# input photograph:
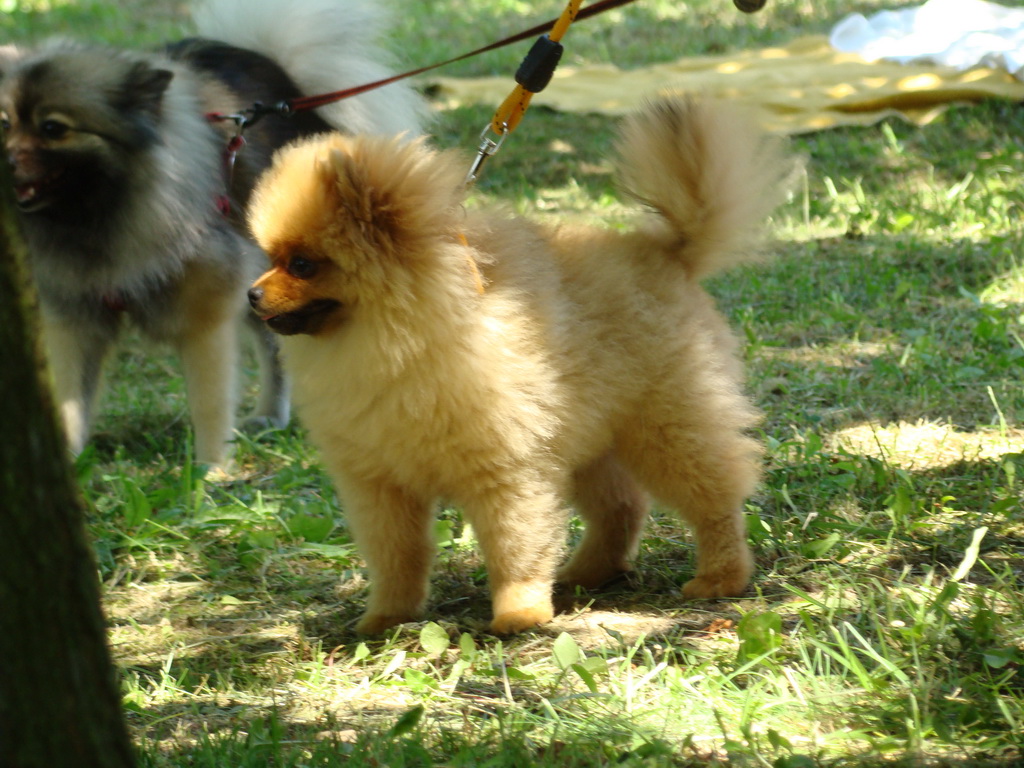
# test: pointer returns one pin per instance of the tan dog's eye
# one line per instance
(302, 268)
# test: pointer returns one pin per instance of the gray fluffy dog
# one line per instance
(122, 184)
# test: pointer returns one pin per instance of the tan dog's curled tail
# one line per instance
(711, 173)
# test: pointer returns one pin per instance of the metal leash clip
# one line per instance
(235, 143)
(229, 154)
(487, 148)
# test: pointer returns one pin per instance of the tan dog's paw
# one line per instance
(716, 585)
(510, 622)
(374, 624)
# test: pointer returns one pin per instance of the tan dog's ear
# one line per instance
(397, 198)
(348, 183)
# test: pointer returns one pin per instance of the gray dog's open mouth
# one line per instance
(35, 193)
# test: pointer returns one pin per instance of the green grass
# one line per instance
(885, 343)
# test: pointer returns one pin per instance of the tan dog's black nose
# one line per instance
(255, 295)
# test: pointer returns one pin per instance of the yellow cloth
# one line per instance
(805, 86)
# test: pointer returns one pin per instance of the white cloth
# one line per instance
(954, 33)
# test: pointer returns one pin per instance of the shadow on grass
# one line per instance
(416, 737)
(980, 141)
(880, 329)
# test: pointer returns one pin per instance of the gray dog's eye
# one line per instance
(52, 129)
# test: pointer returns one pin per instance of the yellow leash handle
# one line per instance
(568, 17)
(534, 73)
(532, 76)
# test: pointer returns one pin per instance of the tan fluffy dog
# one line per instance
(514, 368)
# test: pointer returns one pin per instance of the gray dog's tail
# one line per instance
(324, 46)
(710, 172)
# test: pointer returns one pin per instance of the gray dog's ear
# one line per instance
(8, 56)
(143, 88)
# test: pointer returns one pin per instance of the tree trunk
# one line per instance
(59, 700)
